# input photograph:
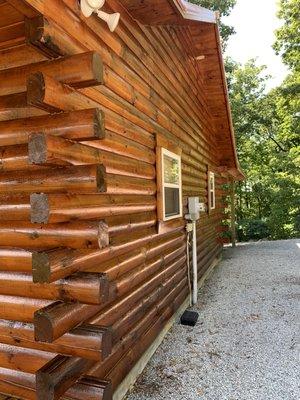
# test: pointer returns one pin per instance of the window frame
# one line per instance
(211, 191)
(164, 151)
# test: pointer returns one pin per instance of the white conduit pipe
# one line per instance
(195, 265)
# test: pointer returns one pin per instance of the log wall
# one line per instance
(88, 274)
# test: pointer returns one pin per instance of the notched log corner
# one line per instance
(99, 123)
(103, 236)
(37, 36)
(41, 271)
(55, 377)
(39, 208)
(101, 178)
(37, 148)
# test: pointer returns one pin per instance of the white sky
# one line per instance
(254, 22)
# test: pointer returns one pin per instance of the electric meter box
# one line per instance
(195, 207)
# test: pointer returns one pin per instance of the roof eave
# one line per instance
(194, 12)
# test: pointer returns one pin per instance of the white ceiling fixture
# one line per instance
(88, 7)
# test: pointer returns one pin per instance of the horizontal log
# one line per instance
(144, 272)
(116, 184)
(12, 101)
(78, 71)
(127, 362)
(48, 38)
(118, 144)
(53, 208)
(76, 125)
(82, 179)
(52, 96)
(58, 375)
(122, 224)
(14, 208)
(13, 259)
(88, 288)
(14, 158)
(58, 318)
(23, 385)
(86, 341)
(110, 314)
(80, 235)
(122, 325)
(46, 149)
(20, 308)
(12, 35)
(19, 359)
(19, 55)
(124, 263)
(52, 265)
(136, 332)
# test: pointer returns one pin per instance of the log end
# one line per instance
(103, 236)
(101, 178)
(35, 88)
(43, 326)
(39, 208)
(106, 342)
(41, 272)
(37, 148)
(96, 388)
(99, 124)
(97, 68)
(103, 333)
(36, 36)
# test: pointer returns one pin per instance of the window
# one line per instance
(170, 166)
(211, 191)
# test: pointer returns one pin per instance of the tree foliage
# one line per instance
(268, 143)
(288, 36)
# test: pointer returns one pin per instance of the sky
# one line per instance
(254, 22)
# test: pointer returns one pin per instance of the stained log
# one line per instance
(48, 38)
(87, 341)
(52, 265)
(87, 288)
(23, 385)
(52, 208)
(55, 377)
(47, 149)
(82, 179)
(86, 124)
(56, 319)
(80, 70)
(76, 235)
(48, 94)
(19, 308)
(20, 359)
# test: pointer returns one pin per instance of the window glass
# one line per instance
(171, 201)
(171, 170)
(170, 164)
(211, 188)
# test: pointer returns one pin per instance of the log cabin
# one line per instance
(111, 125)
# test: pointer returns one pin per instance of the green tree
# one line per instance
(288, 36)
(268, 144)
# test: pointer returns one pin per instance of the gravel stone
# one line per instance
(245, 345)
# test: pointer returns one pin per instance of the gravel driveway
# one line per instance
(245, 344)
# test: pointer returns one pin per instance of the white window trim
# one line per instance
(212, 192)
(171, 185)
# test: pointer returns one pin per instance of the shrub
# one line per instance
(252, 230)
